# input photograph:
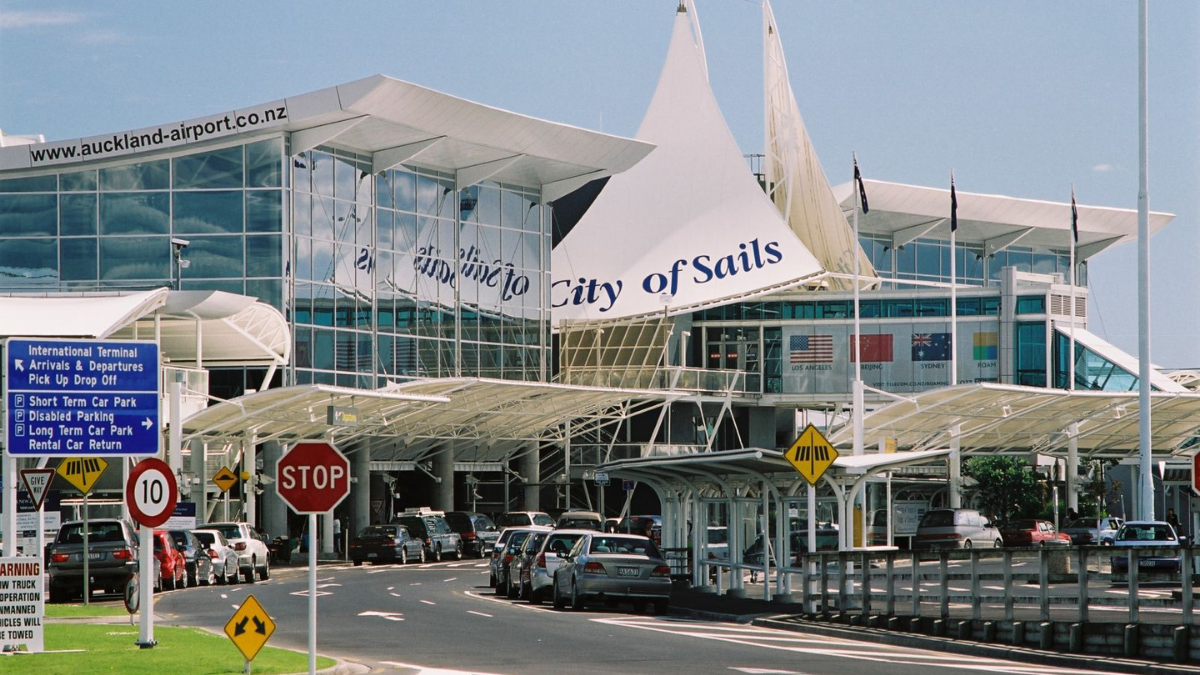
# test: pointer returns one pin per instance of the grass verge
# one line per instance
(79, 611)
(180, 651)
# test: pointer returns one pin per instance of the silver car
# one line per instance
(612, 567)
(539, 579)
(497, 561)
(224, 557)
(956, 528)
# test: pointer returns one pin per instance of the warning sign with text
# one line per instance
(22, 606)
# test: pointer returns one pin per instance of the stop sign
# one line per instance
(313, 477)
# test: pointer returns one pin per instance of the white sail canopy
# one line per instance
(685, 228)
(795, 179)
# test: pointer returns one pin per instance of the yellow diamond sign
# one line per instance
(82, 472)
(250, 628)
(224, 479)
(811, 454)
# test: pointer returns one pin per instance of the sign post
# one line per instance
(83, 472)
(313, 477)
(150, 495)
(37, 486)
(249, 628)
(811, 455)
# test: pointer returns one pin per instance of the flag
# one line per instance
(810, 349)
(876, 348)
(985, 346)
(862, 191)
(931, 347)
(953, 206)
(1074, 217)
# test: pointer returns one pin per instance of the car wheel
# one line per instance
(422, 556)
(661, 606)
(998, 543)
(437, 553)
(265, 572)
(458, 551)
(535, 597)
(968, 544)
(510, 592)
(576, 598)
(358, 563)
(524, 591)
(231, 577)
(193, 575)
(248, 573)
(403, 556)
(501, 586)
(211, 578)
(559, 601)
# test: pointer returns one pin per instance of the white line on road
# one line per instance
(390, 616)
(429, 602)
(421, 670)
(224, 596)
(450, 579)
(471, 611)
(326, 579)
(415, 584)
(394, 595)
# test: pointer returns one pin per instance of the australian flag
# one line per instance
(931, 347)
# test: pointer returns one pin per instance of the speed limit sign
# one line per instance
(150, 492)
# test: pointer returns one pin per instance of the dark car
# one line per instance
(650, 526)
(519, 580)
(508, 562)
(197, 563)
(112, 558)
(386, 543)
(477, 531)
(433, 530)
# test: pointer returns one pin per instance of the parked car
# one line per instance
(956, 528)
(502, 543)
(718, 542)
(253, 556)
(525, 519)
(1023, 533)
(1098, 530)
(225, 558)
(1147, 534)
(519, 569)
(477, 531)
(171, 562)
(505, 562)
(198, 564)
(432, 529)
(580, 520)
(827, 540)
(112, 558)
(539, 578)
(386, 543)
(637, 525)
(610, 568)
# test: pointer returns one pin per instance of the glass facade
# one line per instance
(1092, 371)
(396, 274)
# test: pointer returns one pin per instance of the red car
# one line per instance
(171, 562)
(1024, 533)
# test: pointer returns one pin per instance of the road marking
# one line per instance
(429, 602)
(390, 587)
(304, 593)
(394, 595)
(380, 570)
(224, 596)
(390, 616)
(471, 611)
(327, 585)
(450, 579)
(421, 670)
(415, 584)
(509, 603)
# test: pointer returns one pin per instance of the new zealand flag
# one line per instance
(931, 347)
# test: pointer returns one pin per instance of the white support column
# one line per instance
(529, 466)
(1073, 468)
(249, 457)
(955, 467)
(361, 490)
(10, 504)
(200, 487)
(327, 534)
(443, 468)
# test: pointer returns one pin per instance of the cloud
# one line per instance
(14, 20)
(1103, 168)
(101, 37)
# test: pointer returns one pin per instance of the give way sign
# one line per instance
(313, 477)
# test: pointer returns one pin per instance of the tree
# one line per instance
(1005, 487)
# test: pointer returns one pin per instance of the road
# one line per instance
(443, 618)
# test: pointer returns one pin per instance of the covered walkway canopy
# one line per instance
(1010, 419)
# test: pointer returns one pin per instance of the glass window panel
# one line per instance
(344, 221)
(427, 195)
(135, 213)
(22, 215)
(322, 259)
(303, 303)
(929, 259)
(906, 260)
(513, 206)
(28, 261)
(405, 185)
(1035, 304)
(322, 218)
(996, 262)
(323, 354)
(144, 176)
(933, 306)
(264, 256)
(264, 211)
(214, 169)
(30, 184)
(269, 291)
(77, 181)
(143, 258)
(303, 258)
(208, 212)
(77, 214)
(214, 257)
(322, 174)
(385, 193)
(383, 229)
(322, 305)
(344, 179)
(302, 169)
(304, 348)
(406, 232)
(79, 259)
(1022, 259)
(1045, 263)
(364, 223)
(302, 215)
(448, 199)
(264, 163)
(488, 208)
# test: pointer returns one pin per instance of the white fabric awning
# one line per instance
(78, 316)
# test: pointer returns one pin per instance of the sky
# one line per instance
(1018, 97)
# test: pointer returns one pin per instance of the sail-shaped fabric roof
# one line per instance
(796, 182)
(685, 228)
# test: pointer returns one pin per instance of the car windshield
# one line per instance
(625, 545)
(579, 523)
(179, 537)
(459, 522)
(938, 519)
(562, 543)
(206, 538)
(229, 531)
(377, 531)
(543, 519)
(97, 532)
(1146, 533)
(718, 535)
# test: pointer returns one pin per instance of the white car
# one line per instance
(541, 574)
(225, 560)
(252, 551)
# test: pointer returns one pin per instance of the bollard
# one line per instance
(1182, 646)
(939, 627)
(1046, 635)
(964, 630)
(1076, 638)
(989, 631)
(1018, 635)
(914, 624)
(1131, 639)
(893, 623)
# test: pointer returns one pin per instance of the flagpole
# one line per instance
(1074, 236)
(857, 388)
(953, 287)
(1145, 509)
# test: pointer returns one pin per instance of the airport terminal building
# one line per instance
(410, 247)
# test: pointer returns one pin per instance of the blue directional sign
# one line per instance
(81, 397)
